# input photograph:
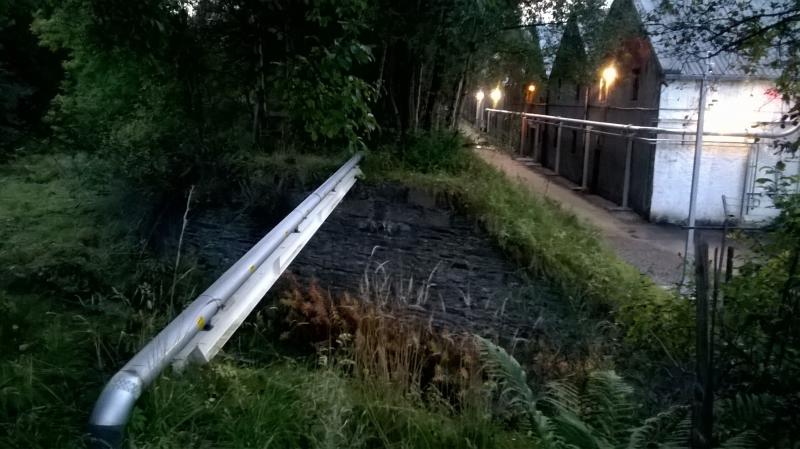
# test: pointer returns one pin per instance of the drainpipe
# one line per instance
(115, 404)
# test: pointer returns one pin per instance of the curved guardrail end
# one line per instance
(105, 437)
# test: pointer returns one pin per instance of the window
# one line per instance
(635, 85)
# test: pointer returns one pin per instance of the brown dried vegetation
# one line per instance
(381, 342)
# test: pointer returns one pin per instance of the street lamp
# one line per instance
(478, 106)
(529, 95)
(607, 78)
(495, 95)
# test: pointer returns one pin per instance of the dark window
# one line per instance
(574, 141)
(635, 85)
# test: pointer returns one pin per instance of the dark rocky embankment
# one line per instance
(406, 246)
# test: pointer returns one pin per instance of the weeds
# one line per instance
(79, 298)
(552, 244)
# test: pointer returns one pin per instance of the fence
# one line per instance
(524, 134)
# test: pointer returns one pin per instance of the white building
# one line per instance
(730, 166)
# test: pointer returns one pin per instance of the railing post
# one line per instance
(587, 137)
(558, 149)
(626, 183)
(523, 135)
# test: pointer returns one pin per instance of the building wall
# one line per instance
(729, 166)
(632, 99)
(567, 98)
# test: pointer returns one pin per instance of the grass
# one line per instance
(549, 241)
(79, 296)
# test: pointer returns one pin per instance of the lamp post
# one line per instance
(529, 97)
(698, 156)
(478, 116)
(529, 94)
(607, 78)
(495, 95)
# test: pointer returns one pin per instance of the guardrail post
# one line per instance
(626, 184)
(558, 148)
(587, 137)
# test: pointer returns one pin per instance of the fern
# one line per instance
(667, 430)
(744, 440)
(573, 413)
(607, 405)
(509, 375)
(600, 415)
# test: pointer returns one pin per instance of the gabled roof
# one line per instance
(684, 64)
(549, 41)
(570, 58)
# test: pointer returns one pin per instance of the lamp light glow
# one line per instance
(531, 88)
(495, 95)
(479, 95)
(609, 75)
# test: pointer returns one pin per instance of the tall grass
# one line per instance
(550, 243)
(79, 297)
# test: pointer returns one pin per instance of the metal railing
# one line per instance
(648, 129)
(503, 129)
(205, 325)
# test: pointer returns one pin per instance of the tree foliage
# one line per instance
(765, 32)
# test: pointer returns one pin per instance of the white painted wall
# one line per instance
(728, 166)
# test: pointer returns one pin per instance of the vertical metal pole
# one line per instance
(558, 148)
(478, 113)
(745, 180)
(587, 137)
(626, 182)
(523, 135)
(537, 139)
(698, 154)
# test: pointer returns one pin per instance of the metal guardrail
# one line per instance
(205, 325)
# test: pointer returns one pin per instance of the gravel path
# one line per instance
(656, 250)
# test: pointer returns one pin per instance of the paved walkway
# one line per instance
(656, 250)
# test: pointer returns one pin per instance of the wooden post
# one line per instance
(702, 407)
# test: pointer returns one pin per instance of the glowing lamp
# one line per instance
(479, 95)
(609, 75)
(495, 95)
(530, 93)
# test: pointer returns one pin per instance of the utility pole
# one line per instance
(698, 155)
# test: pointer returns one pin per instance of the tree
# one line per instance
(765, 32)
(29, 74)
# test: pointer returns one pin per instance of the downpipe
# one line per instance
(106, 428)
